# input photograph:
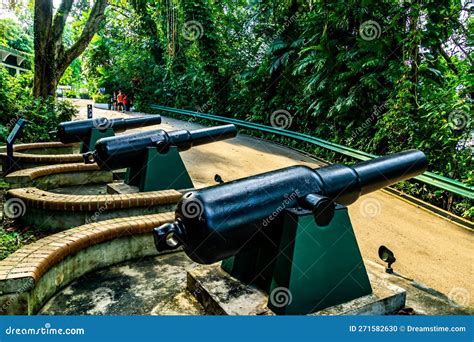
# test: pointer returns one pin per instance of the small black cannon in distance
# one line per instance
(153, 156)
(264, 225)
(89, 131)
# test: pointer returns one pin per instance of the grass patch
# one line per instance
(12, 239)
(13, 236)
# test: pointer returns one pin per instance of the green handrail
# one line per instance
(431, 178)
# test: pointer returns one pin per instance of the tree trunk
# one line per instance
(42, 86)
(51, 57)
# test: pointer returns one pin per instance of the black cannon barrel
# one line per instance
(185, 139)
(130, 149)
(75, 131)
(217, 222)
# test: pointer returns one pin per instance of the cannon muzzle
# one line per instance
(384, 171)
(80, 130)
(130, 149)
(185, 139)
(217, 222)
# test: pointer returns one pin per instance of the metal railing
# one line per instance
(430, 178)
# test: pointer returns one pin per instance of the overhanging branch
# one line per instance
(448, 60)
(60, 18)
(92, 25)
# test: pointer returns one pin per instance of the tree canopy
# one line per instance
(380, 76)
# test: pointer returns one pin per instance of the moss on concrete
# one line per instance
(18, 299)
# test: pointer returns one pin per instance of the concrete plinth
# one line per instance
(121, 188)
(221, 294)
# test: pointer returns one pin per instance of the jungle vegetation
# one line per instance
(379, 76)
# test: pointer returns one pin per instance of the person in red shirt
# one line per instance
(120, 101)
(125, 102)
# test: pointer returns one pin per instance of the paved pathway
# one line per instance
(428, 248)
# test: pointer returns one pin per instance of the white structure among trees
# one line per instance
(13, 60)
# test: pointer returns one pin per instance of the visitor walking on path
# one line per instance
(111, 103)
(125, 102)
(114, 101)
(120, 101)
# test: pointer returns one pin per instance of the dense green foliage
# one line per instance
(42, 115)
(14, 36)
(15, 92)
(379, 76)
(12, 238)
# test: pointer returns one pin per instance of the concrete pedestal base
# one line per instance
(221, 294)
(119, 174)
(121, 188)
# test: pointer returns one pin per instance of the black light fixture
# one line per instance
(387, 256)
(218, 179)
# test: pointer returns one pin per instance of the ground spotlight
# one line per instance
(387, 256)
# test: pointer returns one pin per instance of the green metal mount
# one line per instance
(305, 268)
(95, 134)
(159, 172)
